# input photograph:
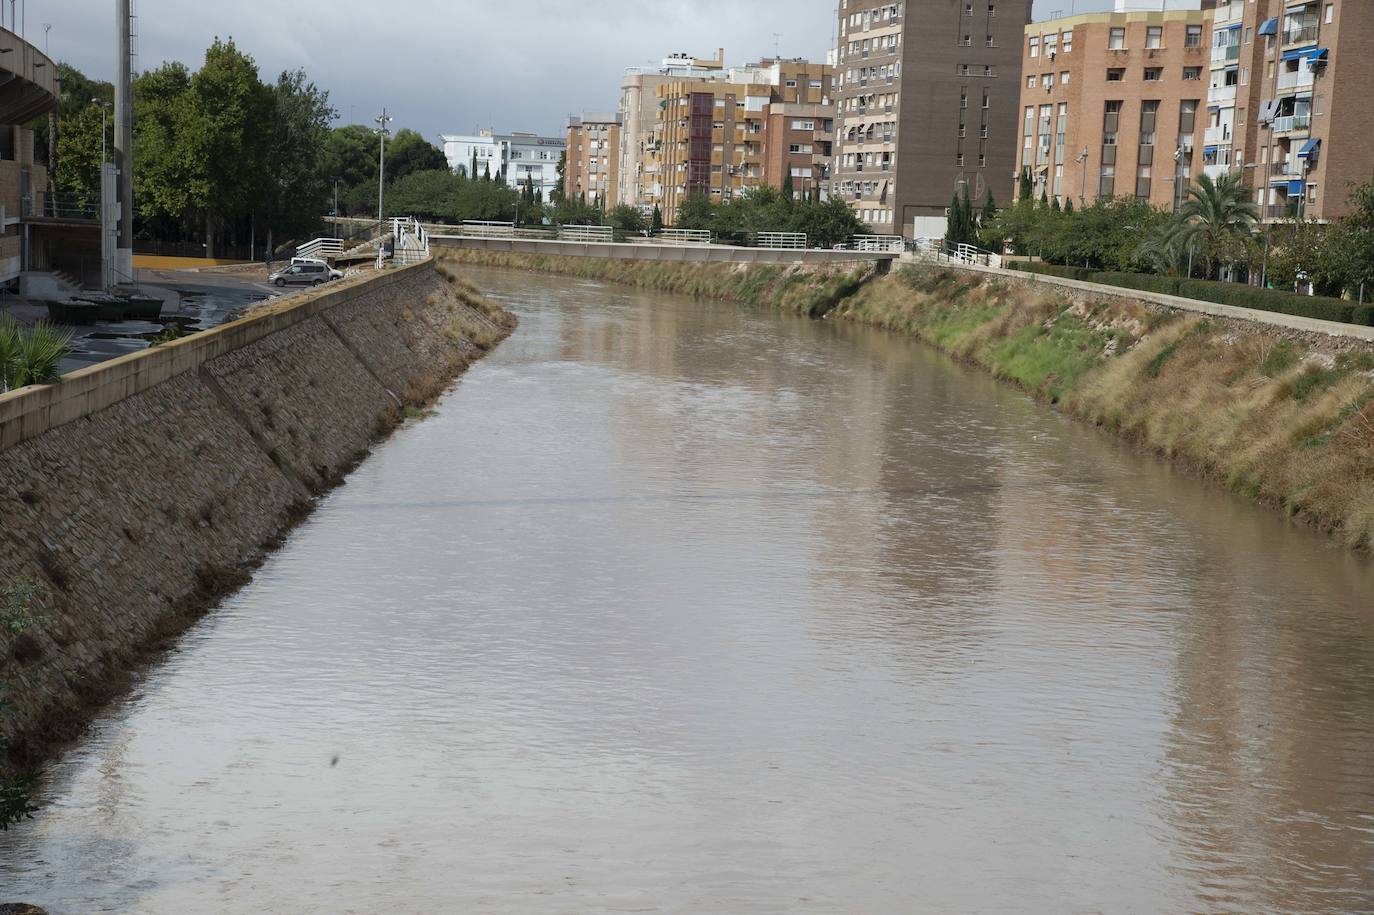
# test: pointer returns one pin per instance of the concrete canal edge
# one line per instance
(136, 493)
(1280, 410)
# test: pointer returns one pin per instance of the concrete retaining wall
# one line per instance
(135, 492)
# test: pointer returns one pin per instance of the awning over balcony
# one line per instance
(1268, 111)
(1319, 57)
(1299, 53)
(1209, 150)
(1270, 27)
(1294, 188)
(1309, 148)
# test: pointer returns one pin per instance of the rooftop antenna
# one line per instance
(777, 45)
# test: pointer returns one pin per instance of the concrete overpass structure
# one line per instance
(28, 90)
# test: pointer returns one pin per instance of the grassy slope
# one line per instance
(1273, 419)
(805, 291)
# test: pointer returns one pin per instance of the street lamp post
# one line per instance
(336, 207)
(104, 112)
(1083, 178)
(381, 165)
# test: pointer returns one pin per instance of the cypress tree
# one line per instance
(1044, 197)
(1068, 206)
(787, 190)
(657, 223)
(1026, 188)
(486, 176)
(473, 174)
(989, 210)
(966, 219)
(954, 231)
(1054, 205)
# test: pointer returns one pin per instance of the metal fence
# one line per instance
(793, 240)
(586, 233)
(879, 244)
(685, 237)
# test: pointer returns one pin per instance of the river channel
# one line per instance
(676, 606)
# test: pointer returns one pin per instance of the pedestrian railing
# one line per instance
(483, 228)
(937, 250)
(792, 240)
(321, 248)
(586, 233)
(412, 241)
(879, 244)
(685, 237)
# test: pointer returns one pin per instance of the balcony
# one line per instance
(1293, 123)
(1216, 171)
(1221, 94)
(1303, 78)
(1285, 169)
(1217, 136)
(1303, 35)
(1282, 210)
(1226, 52)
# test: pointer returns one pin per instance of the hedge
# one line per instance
(1067, 273)
(1276, 300)
(1237, 294)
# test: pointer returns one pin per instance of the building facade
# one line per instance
(639, 115)
(709, 137)
(799, 142)
(1114, 104)
(927, 93)
(518, 156)
(1289, 102)
(592, 171)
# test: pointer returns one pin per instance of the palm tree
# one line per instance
(1217, 219)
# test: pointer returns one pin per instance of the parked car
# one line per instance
(304, 273)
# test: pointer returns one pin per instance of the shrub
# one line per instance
(1061, 271)
(1145, 282)
(1273, 300)
(1363, 314)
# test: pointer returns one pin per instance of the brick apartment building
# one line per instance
(592, 169)
(798, 140)
(927, 93)
(1289, 102)
(710, 135)
(1114, 104)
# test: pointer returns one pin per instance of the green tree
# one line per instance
(656, 225)
(696, 212)
(296, 189)
(350, 154)
(1025, 187)
(171, 183)
(787, 190)
(1218, 220)
(233, 116)
(409, 152)
(626, 220)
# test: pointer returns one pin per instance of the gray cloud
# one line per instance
(452, 65)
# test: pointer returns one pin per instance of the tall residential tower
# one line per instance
(928, 95)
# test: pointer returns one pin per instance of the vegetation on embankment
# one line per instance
(810, 290)
(1281, 417)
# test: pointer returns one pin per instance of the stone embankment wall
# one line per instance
(135, 493)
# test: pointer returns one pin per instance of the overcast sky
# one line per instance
(449, 66)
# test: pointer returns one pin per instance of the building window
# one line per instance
(1192, 73)
(1035, 47)
(1116, 39)
(1116, 74)
(1152, 74)
(1064, 78)
(1066, 42)
(1154, 36)
(1194, 37)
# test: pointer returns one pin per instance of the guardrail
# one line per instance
(412, 241)
(883, 244)
(484, 228)
(586, 233)
(685, 237)
(321, 248)
(789, 240)
(937, 251)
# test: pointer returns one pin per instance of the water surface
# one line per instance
(673, 606)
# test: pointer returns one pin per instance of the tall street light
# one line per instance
(337, 227)
(382, 134)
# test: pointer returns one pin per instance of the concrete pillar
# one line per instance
(124, 141)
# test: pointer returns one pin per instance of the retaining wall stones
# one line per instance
(135, 493)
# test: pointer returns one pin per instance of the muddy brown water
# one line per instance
(674, 606)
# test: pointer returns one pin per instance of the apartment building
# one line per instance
(1289, 102)
(798, 141)
(927, 93)
(1113, 104)
(639, 114)
(593, 164)
(519, 156)
(709, 137)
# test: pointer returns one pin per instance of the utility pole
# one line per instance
(381, 166)
(124, 141)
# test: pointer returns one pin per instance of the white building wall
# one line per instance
(521, 155)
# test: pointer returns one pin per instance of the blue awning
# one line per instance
(1310, 147)
(1295, 189)
(1270, 27)
(1318, 57)
(1233, 28)
(1299, 53)
(1209, 150)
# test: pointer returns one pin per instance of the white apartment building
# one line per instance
(521, 155)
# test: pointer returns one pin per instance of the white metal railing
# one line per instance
(412, 241)
(1292, 122)
(791, 240)
(685, 237)
(1221, 94)
(937, 251)
(586, 233)
(1216, 135)
(488, 229)
(321, 248)
(881, 244)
